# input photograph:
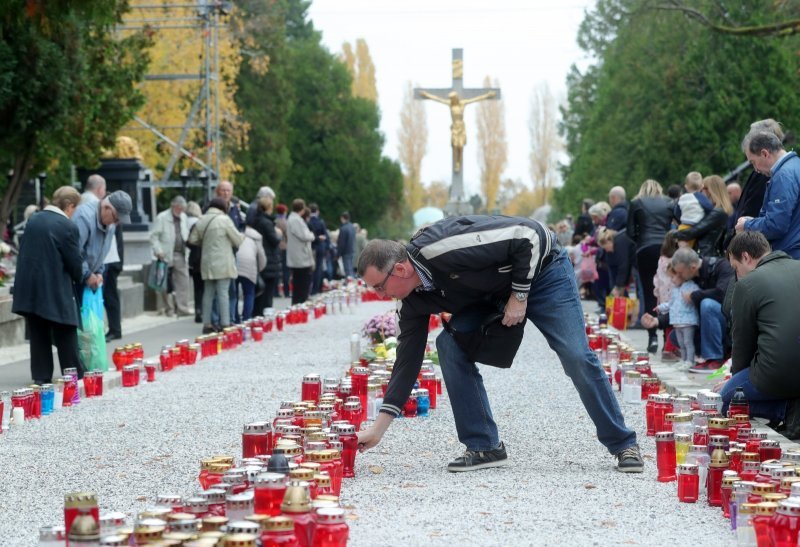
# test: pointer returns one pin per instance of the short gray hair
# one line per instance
(617, 192)
(686, 257)
(178, 200)
(756, 141)
(94, 182)
(381, 254)
(265, 192)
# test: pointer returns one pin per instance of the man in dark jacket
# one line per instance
(346, 244)
(617, 219)
(460, 262)
(49, 267)
(713, 275)
(765, 331)
(319, 246)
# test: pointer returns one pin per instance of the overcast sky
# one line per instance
(519, 42)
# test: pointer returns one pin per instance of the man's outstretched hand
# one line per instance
(515, 311)
(370, 437)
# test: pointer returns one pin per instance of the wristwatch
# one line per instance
(520, 296)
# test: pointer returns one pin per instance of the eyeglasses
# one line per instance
(381, 287)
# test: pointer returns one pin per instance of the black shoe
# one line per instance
(198, 318)
(112, 336)
(792, 420)
(629, 460)
(471, 461)
(208, 329)
(652, 344)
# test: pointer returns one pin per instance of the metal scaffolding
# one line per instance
(207, 21)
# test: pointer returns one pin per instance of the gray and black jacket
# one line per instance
(469, 260)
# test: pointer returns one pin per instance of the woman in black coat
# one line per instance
(48, 269)
(649, 220)
(264, 223)
(710, 231)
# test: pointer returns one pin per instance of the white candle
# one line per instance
(18, 416)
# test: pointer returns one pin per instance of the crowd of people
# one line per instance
(240, 256)
(684, 253)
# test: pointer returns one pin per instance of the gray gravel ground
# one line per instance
(560, 487)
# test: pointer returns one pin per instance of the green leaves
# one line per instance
(667, 96)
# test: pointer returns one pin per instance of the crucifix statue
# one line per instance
(457, 98)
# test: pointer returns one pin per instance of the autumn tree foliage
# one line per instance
(546, 143)
(492, 145)
(361, 68)
(412, 139)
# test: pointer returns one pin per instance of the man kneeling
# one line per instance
(765, 332)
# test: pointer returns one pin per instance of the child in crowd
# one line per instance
(692, 206)
(683, 316)
(662, 288)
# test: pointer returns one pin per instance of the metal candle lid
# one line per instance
(170, 500)
(719, 458)
(257, 428)
(789, 507)
(279, 524)
(270, 480)
(213, 496)
(285, 413)
(78, 500)
(766, 508)
(52, 533)
(330, 515)
(301, 474)
(239, 501)
(688, 469)
(665, 436)
(214, 523)
(312, 379)
(116, 540)
(297, 498)
(196, 504)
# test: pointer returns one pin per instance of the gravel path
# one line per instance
(559, 489)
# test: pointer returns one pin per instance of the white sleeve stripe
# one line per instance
(487, 237)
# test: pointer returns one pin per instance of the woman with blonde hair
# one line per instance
(709, 232)
(649, 220)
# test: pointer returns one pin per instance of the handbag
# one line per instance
(196, 251)
(483, 338)
(157, 276)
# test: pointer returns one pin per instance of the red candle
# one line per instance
(118, 358)
(762, 522)
(725, 490)
(665, 456)
(81, 505)
(649, 414)
(718, 465)
(688, 483)
(150, 369)
(769, 450)
(279, 532)
(256, 439)
(352, 413)
(331, 529)
(429, 383)
(215, 499)
(129, 373)
(279, 320)
(257, 333)
(785, 524)
(349, 440)
(311, 387)
(297, 506)
(410, 408)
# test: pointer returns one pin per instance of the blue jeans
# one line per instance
(761, 406)
(249, 298)
(233, 306)
(319, 272)
(712, 329)
(554, 307)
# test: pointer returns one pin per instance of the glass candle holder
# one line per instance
(682, 444)
(688, 483)
(665, 456)
(410, 407)
(718, 465)
(297, 506)
(349, 440)
(256, 439)
(279, 530)
(129, 373)
(745, 534)
(726, 488)
(785, 523)
(311, 387)
(48, 401)
(769, 450)
(423, 402)
(331, 529)
(429, 382)
(238, 506)
(83, 506)
(150, 371)
(762, 522)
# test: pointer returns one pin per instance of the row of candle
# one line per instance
(756, 484)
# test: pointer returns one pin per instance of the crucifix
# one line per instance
(457, 98)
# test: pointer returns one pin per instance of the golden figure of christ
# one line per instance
(458, 131)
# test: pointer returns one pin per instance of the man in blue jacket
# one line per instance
(457, 263)
(779, 219)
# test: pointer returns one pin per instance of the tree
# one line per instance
(327, 139)
(719, 20)
(361, 69)
(67, 84)
(492, 146)
(662, 98)
(546, 143)
(412, 137)
(437, 194)
(169, 103)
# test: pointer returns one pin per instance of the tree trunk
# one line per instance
(22, 166)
